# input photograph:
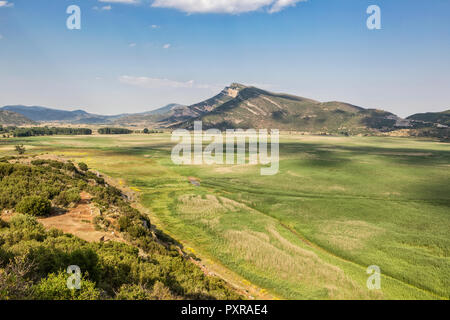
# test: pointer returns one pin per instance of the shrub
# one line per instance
(69, 167)
(34, 206)
(54, 287)
(25, 228)
(14, 281)
(67, 197)
(133, 292)
(83, 166)
(20, 149)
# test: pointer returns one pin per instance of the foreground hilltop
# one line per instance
(41, 199)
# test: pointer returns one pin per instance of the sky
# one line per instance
(138, 55)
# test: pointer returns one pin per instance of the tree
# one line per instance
(145, 130)
(20, 149)
(34, 206)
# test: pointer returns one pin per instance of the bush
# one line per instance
(20, 149)
(67, 197)
(34, 206)
(54, 287)
(83, 166)
(69, 167)
(133, 292)
(25, 228)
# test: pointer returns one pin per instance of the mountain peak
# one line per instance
(233, 89)
(236, 85)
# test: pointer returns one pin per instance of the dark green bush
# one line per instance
(54, 287)
(34, 206)
(83, 166)
(67, 197)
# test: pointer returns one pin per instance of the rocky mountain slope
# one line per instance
(240, 106)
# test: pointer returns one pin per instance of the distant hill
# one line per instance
(434, 118)
(43, 114)
(240, 106)
(14, 119)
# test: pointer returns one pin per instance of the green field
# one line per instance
(337, 206)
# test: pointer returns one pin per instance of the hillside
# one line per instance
(202, 108)
(54, 214)
(240, 106)
(442, 118)
(151, 117)
(250, 107)
(13, 119)
(43, 114)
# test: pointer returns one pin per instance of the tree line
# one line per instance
(114, 131)
(43, 131)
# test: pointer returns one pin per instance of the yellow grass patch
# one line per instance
(348, 235)
(295, 265)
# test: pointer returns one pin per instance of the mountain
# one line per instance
(239, 106)
(151, 117)
(164, 110)
(196, 110)
(432, 118)
(43, 114)
(14, 119)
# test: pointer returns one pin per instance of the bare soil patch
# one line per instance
(79, 222)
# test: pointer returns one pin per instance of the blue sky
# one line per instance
(137, 55)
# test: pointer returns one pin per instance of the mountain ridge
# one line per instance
(241, 106)
(251, 107)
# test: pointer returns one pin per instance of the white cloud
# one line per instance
(225, 6)
(132, 44)
(6, 4)
(121, 1)
(281, 4)
(155, 26)
(166, 46)
(104, 8)
(157, 83)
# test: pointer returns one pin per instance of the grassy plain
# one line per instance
(337, 206)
